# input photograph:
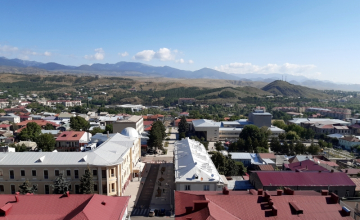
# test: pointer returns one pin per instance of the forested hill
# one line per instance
(280, 87)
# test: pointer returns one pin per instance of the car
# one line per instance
(162, 212)
(152, 213)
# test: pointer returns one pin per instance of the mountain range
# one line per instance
(144, 70)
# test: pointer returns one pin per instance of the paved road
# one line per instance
(148, 189)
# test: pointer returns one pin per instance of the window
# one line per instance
(22, 172)
(94, 172)
(46, 174)
(103, 173)
(112, 172)
(77, 189)
(70, 188)
(68, 173)
(12, 188)
(1, 173)
(76, 172)
(33, 172)
(1, 188)
(95, 188)
(12, 174)
(57, 172)
(206, 187)
(47, 189)
(187, 187)
(113, 187)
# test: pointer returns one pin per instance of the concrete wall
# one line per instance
(198, 186)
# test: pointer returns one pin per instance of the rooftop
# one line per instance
(53, 206)
(192, 163)
(212, 205)
(306, 165)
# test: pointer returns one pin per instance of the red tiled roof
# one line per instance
(76, 206)
(266, 167)
(184, 113)
(39, 122)
(4, 125)
(148, 122)
(357, 183)
(148, 128)
(247, 206)
(329, 163)
(290, 178)
(351, 171)
(70, 136)
(267, 156)
(308, 165)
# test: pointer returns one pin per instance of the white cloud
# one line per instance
(125, 54)
(8, 49)
(163, 54)
(190, 61)
(25, 54)
(47, 53)
(288, 68)
(180, 61)
(99, 55)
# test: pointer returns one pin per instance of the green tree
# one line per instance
(108, 128)
(219, 146)
(155, 138)
(27, 187)
(97, 130)
(313, 149)
(49, 126)
(31, 132)
(292, 135)
(61, 184)
(46, 142)
(19, 148)
(79, 123)
(183, 125)
(280, 124)
(275, 145)
(300, 148)
(87, 182)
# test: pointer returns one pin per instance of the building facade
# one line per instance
(136, 122)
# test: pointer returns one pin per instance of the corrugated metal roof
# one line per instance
(290, 178)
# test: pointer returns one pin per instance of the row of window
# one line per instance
(56, 173)
(206, 187)
(47, 189)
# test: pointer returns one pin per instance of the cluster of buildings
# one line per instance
(340, 113)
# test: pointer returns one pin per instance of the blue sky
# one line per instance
(317, 39)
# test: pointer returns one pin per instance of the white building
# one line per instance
(10, 118)
(299, 121)
(134, 108)
(194, 169)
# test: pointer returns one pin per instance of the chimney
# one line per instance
(188, 209)
(200, 204)
(279, 192)
(274, 211)
(260, 192)
(288, 191)
(103, 203)
(334, 198)
(324, 192)
(332, 170)
(67, 194)
(346, 171)
(225, 191)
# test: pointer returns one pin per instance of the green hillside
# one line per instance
(279, 87)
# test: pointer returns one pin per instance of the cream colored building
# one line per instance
(112, 164)
(135, 121)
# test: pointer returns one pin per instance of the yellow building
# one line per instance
(112, 164)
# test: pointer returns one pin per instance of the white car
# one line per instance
(152, 213)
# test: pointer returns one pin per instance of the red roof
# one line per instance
(184, 113)
(39, 122)
(76, 206)
(148, 123)
(267, 156)
(351, 171)
(266, 167)
(306, 165)
(243, 205)
(4, 125)
(148, 128)
(70, 136)
(290, 178)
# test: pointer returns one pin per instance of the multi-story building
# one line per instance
(134, 108)
(194, 169)
(112, 164)
(136, 122)
(72, 140)
(66, 103)
(215, 131)
(4, 103)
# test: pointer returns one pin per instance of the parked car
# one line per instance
(152, 213)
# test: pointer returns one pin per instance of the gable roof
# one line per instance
(76, 206)
(307, 165)
(267, 156)
(291, 178)
(70, 136)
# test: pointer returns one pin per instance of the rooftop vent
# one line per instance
(41, 159)
(83, 159)
(296, 208)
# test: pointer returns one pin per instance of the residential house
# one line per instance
(349, 141)
(4, 103)
(65, 115)
(72, 140)
(10, 118)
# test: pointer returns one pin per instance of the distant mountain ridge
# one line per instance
(143, 70)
